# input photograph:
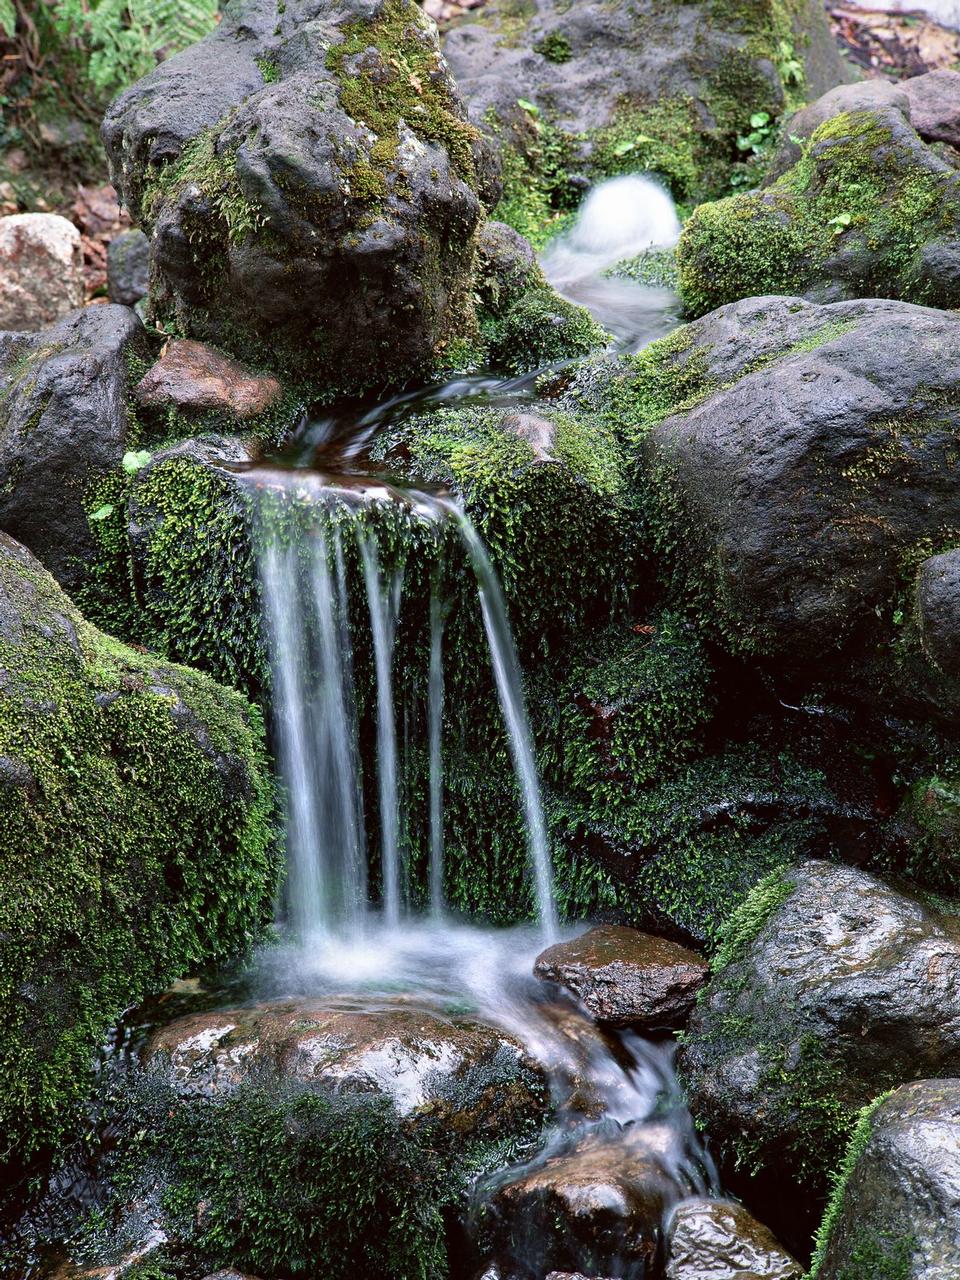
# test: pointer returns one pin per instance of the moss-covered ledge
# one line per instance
(137, 809)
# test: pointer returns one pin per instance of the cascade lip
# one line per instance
(355, 489)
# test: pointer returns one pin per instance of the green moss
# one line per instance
(863, 189)
(654, 267)
(137, 843)
(191, 592)
(541, 328)
(408, 87)
(743, 925)
(555, 47)
(210, 165)
(857, 1144)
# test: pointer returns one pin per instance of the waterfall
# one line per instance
(435, 747)
(383, 601)
(312, 638)
(506, 670)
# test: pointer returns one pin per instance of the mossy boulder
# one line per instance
(868, 210)
(797, 465)
(576, 92)
(137, 811)
(829, 987)
(286, 1136)
(312, 188)
(894, 1211)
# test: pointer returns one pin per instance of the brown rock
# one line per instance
(190, 375)
(469, 1076)
(625, 977)
(720, 1240)
(41, 270)
(599, 1203)
(935, 105)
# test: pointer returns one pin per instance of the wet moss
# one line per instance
(137, 811)
(541, 328)
(856, 210)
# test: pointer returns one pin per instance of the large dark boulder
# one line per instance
(868, 209)
(830, 987)
(136, 807)
(809, 460)
(312, 188)
(896, 1209)
(64, 423)
(580, 90)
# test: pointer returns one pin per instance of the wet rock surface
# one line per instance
(938, 605)
(625, 977)
(41, 270)
(471, 1077)
(898, 1210)
(838, 988)
(311, 185)
(580, 62)
(192, 376)
(818, 449)
(64, 422)
(721, 1240)
(597, 1206)
(128, 267)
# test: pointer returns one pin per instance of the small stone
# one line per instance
(128, 267)
(935, 105)
(190, 375)
(625, 977)
(720, 1240)
(599, 1198)
(41, 270)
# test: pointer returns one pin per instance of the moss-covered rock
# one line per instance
(830, 987)
(577, 92)
(137, 814)
(868, 210)
(312, 188)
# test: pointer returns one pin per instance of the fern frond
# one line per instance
(8, 17)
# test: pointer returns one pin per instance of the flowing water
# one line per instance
(614, 1093)
(335, 595)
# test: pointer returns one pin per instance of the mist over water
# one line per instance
(619, 220)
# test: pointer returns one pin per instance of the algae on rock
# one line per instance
(137, 811)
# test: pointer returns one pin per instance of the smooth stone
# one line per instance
(935, 105)
(625, 977)
(938, 602)
(469, 1076)
(193, 376)
(599, 1201)
(721, 1240)
(899, 1210)
(41, 270)
(128, 267)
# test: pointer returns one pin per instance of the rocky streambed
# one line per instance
(412, 549)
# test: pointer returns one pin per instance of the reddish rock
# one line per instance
(190, 375)
(935, 105)
(599, 1204)
(41, 270)
(720, 1240)
(626, 978)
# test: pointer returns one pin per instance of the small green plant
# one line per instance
(761, 133)
(124, 39)
(555, 47)
(8, 17)
(131, 463)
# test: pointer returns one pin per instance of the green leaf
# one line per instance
(102, 513)
(624, 148)
(132, 462)
(8, 17)
(759, 119)
(528, 106)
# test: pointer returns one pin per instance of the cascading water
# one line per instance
(311, 651)
(615, 1094)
